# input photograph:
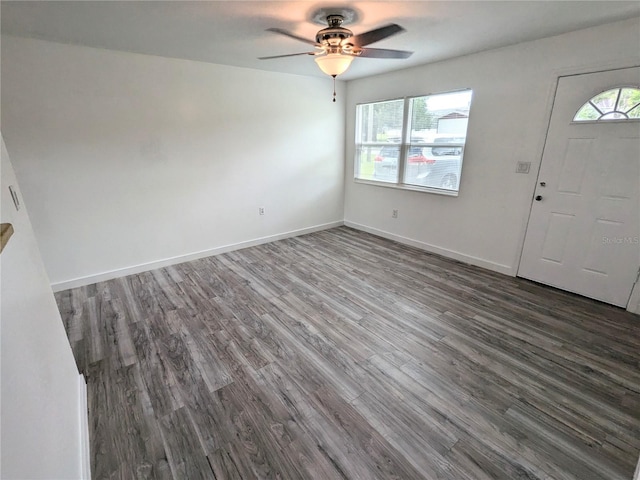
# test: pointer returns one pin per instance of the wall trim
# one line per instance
(445, 252)
(83, 412)
(144, 267)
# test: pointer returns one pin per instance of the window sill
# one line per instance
(404, 186)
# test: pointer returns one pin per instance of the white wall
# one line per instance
(512, 94)
(40, 411)
(127, 159)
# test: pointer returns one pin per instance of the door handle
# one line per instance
(538, 198)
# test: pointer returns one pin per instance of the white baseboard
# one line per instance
(144, 267)
(480, 262)
(83, 412)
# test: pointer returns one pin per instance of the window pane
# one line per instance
(385, 164)
(380, 122)
(422, 120)
(365, 156)
(444, 113)
(614, 116)
(614, 104)
(606, 101)
(629, 97)
(586, 113)
(438, 135)
(635, 113)
(444, 173)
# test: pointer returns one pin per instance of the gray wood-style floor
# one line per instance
(341, 355)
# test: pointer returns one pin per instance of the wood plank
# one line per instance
(341, 355)
(186, 457)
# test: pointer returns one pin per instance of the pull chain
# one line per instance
(334, 87)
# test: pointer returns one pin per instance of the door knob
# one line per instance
(538, 198)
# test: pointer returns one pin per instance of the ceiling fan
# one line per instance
(336, 46)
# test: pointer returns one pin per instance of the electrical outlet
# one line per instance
(394, 213)
(260, 210)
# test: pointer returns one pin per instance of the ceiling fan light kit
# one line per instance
(334, 63)
(336, 46)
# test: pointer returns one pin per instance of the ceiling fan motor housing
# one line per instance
(334, 34)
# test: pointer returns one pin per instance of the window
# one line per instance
(622, 103)
(415, 143)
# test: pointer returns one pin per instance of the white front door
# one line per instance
(584, 228)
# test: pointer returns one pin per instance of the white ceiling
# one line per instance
(233, 32)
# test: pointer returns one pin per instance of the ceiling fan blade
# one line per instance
(384, 53)
(373, 36)
(293, 35)
(288, 55)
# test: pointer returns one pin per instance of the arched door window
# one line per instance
(621, 103)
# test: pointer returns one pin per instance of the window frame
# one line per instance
(405, 146)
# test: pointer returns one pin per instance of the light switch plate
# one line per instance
(523, 167)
